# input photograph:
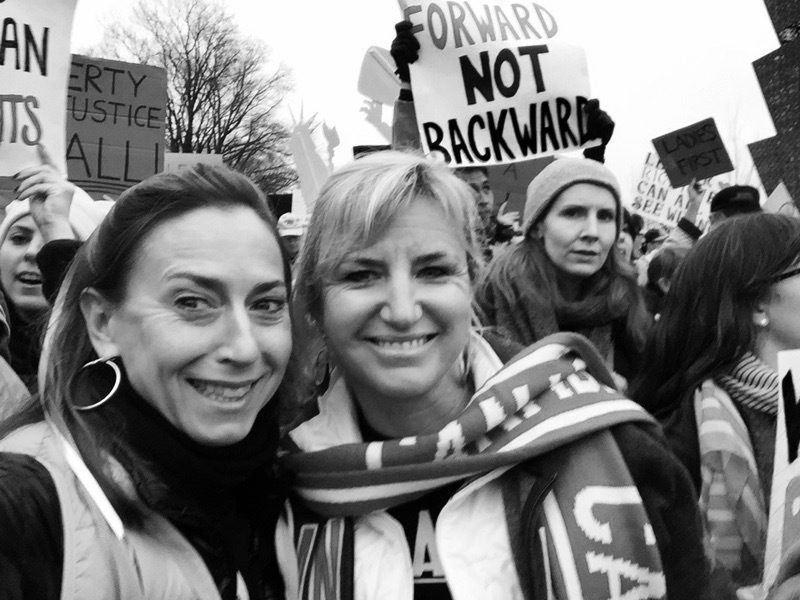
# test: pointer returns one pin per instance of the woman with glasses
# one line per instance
(710, 376)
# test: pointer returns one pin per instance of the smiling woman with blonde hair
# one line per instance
(441, 461)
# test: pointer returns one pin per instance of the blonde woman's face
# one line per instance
(396, 315)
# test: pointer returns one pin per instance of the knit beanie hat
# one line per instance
(558, 176)
(736, 199)
(85, 214)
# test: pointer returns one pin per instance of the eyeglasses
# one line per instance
(785, 275)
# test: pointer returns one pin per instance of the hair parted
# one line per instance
(706, 325)
(359, 202)
(105, 263)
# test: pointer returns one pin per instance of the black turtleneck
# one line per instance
(224, 500)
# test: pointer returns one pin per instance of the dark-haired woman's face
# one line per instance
(580, 229)
(19, 273)
(204, 330)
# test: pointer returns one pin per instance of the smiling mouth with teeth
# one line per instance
(220, 392)
(406, 344)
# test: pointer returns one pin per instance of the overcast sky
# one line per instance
(655, 66)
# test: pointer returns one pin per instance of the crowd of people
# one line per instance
(405, 394)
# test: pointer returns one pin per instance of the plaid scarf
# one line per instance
(543, 402)
(731, 500)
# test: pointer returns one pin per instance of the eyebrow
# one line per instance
(217, 286)
(373, 262)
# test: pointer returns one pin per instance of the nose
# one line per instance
(590, 226)
(239, 344)
(33, 247)
(401, 308)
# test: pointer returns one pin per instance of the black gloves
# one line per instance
(405, 49)
(598, 125)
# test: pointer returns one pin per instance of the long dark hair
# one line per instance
(706, 325)
(526, 274)
(104, 263)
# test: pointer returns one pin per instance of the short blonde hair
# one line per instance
(359, 202)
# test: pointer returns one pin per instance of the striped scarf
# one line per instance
(752, 384)
(544, 401)
(731, 500)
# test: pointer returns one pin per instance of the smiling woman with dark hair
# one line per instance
(146, 468)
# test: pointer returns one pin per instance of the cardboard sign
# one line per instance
(656, 200)
(115, 124)
(784, 511)
(34, 64)
(175, 161)
(693, 152)
(492, 85)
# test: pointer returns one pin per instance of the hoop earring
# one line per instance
(117, 380)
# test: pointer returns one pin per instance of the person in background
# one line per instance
(495, 230)
(729, 202)
(709, 374)
(145, 467)
(631, 225)
(420, 471)
(39, 234)
(291, 228)
(566, 275)
(660, 271)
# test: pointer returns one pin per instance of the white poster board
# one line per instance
(784, 510)
(34, 66)
(492, 84)
(175, 161)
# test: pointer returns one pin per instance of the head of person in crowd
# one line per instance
(652, 240)
(174, 319)
(386, 278)
(20, 241)
(566, 275)
(733, 201)
(478, 180)
(291, 228)
(659, 275)
(631, 225)
(737, 291)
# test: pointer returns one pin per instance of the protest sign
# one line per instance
(492, 85)
(656, 200)
(784, 509)
(175, 161)
(34, 64)
(780, 202)
(693, 152)
(377, 79)
(115, 123)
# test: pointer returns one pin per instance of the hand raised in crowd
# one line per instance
(599, 125)
(50, 196)
(404, 50)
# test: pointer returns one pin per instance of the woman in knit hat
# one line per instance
(565, 276)
(52, 215)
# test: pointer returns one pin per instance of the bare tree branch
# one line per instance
(220, 98)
